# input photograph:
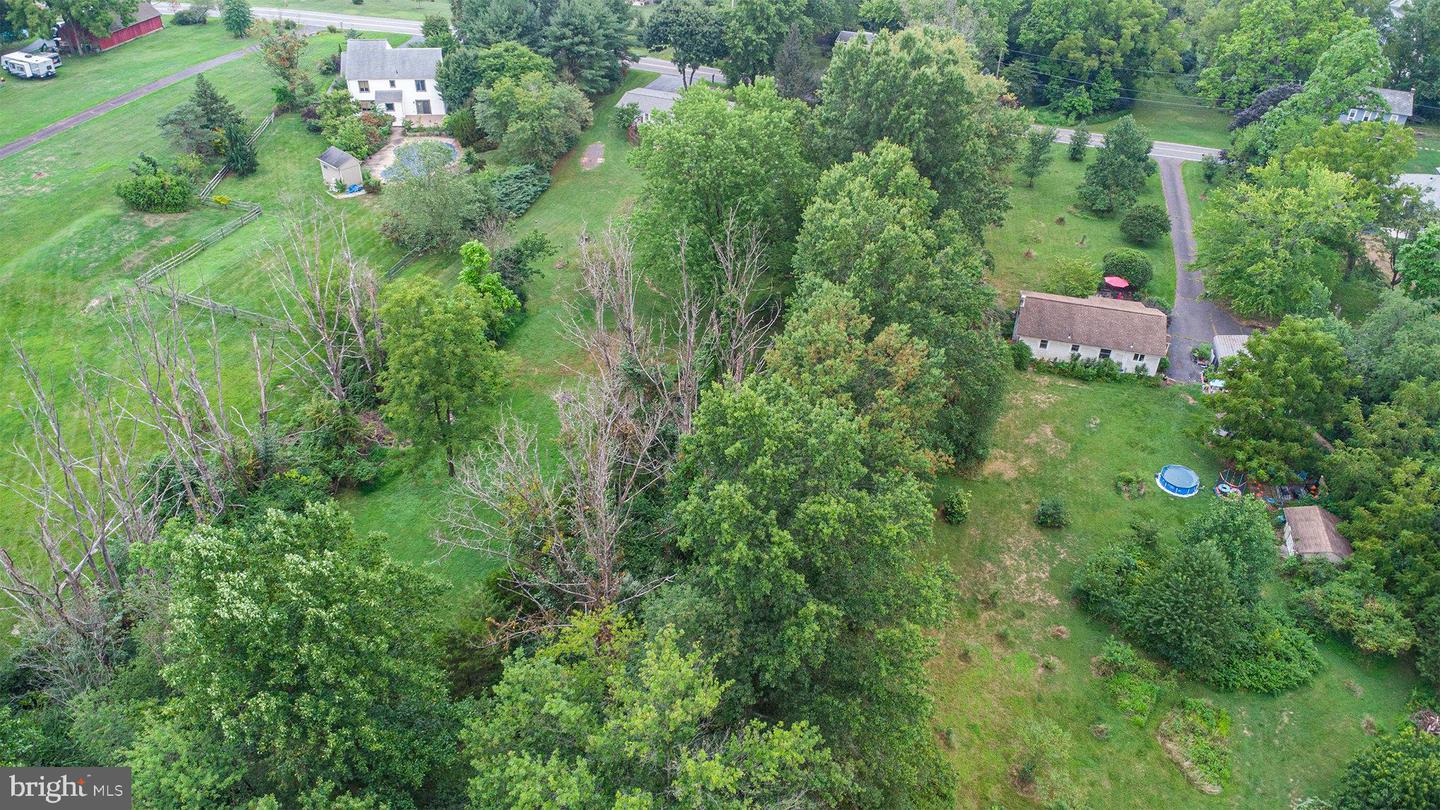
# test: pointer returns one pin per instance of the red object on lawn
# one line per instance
(1116, 282)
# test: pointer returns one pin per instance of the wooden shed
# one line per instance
(338, 165)
(1310, 532)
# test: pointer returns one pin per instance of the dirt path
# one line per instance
(17, 146)
(1194, 319)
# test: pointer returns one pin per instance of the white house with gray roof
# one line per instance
(397, 81)
(1399, 106)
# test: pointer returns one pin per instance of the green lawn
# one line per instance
(1070, 439)
(1166, 116)
(1044, 224)
(84, 81)
(405, 504)
(1427, 154)
(403, 9)
(69, 242)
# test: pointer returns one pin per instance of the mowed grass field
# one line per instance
(401, 9)
(70, 243)
(84, 81)
(1045, 224)
(1069, 439)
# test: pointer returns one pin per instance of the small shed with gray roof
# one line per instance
(339, 166)
(1060, 328)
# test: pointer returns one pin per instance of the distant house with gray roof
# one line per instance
(399, 82)
(845, 36)
(1399, 106)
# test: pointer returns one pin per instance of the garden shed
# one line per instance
(1310, 532)
(337, 165)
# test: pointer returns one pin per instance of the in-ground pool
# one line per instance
(408, 155)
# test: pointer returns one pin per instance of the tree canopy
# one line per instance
(1273, 41)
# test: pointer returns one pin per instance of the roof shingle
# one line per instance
(374, 59)
(1106, 323)
(1313, 531)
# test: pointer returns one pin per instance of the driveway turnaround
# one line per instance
(103, 107)
(1194, 320)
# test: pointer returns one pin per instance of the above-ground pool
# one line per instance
(408, 156)
(1182, 482)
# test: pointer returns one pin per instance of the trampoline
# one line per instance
(1182, 482)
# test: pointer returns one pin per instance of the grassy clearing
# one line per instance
(1019, 649)
(1427, 155)
(1168, 116)
(406, 502)
(84, 81)
(403, 9)
(1033, 225)
(70, 242)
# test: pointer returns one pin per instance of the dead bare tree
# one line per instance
(330, 297)
(90, 499)
(740, 319)
(179, 393)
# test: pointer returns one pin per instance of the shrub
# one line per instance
(1401, 771)
(1052, 514)
(957, 507)
(1210, 169)
(517, 189)
(1079, 144)
(1131, 682)
(221, 200)
(194, 15)
(330, 65)
(1143, 224)
(1105, 585)
(1130, 485)
(1075, 277)
(1021, 355)
(1271, 655)
(625, 115)
(1040, 767)
(1197, 736)
(1370, 618)
(1129, 264)
(151, 188)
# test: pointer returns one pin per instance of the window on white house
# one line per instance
(422, 106)
(389, 107)
(419, 85)
(1074, 348)
(364, 86)
(392, 83)
(1104, 354)
(1044, 344)
(1139, 358)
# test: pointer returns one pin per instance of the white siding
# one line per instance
(406, 107)
(1062, 351)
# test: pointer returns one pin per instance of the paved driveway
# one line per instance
(106, 106)
(1194, 319)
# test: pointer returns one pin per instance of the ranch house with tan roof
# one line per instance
(1059, 327)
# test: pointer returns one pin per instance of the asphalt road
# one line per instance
(1161, 150)
(1194, 320)
(106, 106)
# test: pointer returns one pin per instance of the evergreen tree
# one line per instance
(1038, 153)
(1079, 143)
(239, 152)
(235, 14)
(586, 40)
(1117, 176)
(1187, 609)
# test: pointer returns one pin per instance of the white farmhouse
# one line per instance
(397, 81)
(1058, 327)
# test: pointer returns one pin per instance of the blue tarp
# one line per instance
(1178, 480)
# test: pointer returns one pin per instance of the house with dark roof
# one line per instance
(399, 82)
(1059, 327)
(1310, 531)
(77, 40)
(1399, 106)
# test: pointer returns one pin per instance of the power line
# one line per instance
(1086, 64)
(1209, 107)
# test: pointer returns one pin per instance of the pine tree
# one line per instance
(237, 18)
(1079, 143)
(1188, 609)
(216, 111)
(239, 152)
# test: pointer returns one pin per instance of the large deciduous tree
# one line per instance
(922, 89)
(1117, 175)
(803, 575)
(871, 229)
(536, 119)
(694, 31)
(751, 154)
(1414, 50)
(441, 367)
(94, 16)
(1288, 386)
(1273, 41)
(302, 665)
(599, 712)
(463, 70)
(754, 30)
(1417, 268)
(1097, 50)
(1268, 244)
